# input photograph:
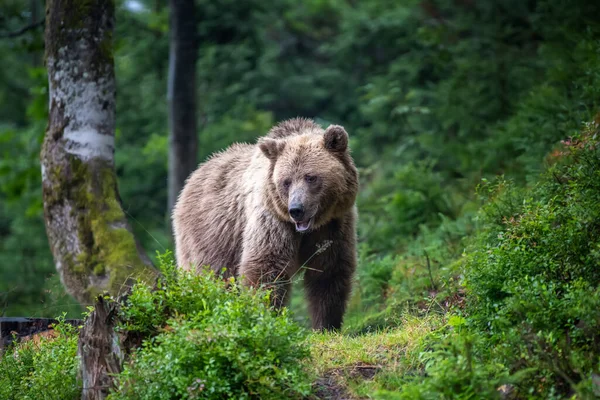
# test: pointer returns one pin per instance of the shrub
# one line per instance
(531, 326)
(533, 278)
(44, 369)
(201, 338)
(451, 363)
(210, 339)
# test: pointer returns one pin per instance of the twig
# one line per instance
(8, 35)
(433, 285)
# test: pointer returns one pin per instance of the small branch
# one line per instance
(25, 29)
(560, 182)
(433, 286)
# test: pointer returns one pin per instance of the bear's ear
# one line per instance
(336, 138)
(271, 148)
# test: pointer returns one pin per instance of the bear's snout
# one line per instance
(296, 211)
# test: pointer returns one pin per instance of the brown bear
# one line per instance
(265, 211)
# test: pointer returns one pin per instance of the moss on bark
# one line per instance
(90, 237)
(111, 250)
(108, 257)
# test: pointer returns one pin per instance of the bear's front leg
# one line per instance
(269, 256)
(328, 278)
(327, 294)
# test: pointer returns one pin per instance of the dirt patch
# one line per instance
(363, 371)
(331, 386)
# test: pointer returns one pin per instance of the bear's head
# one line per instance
(312, 178)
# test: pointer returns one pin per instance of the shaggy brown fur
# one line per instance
(263, 211)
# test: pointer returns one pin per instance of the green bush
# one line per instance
(529, 320)
(532, 273)
(201, 338)
(210, 339)
(42, 370)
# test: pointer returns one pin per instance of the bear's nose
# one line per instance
(296, 211)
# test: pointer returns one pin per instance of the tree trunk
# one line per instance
(181, 94)
(91, 240)
(101, 350)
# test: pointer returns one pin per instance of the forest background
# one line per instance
(440, 98)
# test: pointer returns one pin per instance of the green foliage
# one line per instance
(209, 338)
(28, 283)
(395, 205)
(381, 360)
(440, 98)
(533, 278)
(528, 323)
(452, 370)
(435, 96)
(43, 368)
(201, 337)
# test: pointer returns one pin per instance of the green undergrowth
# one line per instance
(533, 274)
(207, 338)
(196, 337)
(359, 365)
(499, 303)
(45, 368)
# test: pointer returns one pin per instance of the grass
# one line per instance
(358, 366)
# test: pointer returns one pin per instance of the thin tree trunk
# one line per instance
(91, 240)
(183, 137)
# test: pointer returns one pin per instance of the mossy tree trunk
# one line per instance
(92, 242)
(183, 135)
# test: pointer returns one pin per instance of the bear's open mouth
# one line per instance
(302, 226)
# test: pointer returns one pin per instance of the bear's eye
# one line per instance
(310, 178)
(287, 183)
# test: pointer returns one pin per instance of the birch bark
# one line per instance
(91, 240)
